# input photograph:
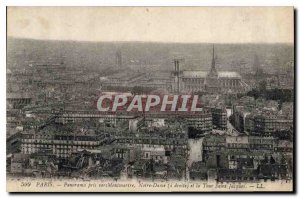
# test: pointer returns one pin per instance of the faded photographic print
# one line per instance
(150, 99)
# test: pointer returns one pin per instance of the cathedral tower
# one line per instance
(211, 81)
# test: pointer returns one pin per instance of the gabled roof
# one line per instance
(194, 74)
(229, 74)
(203, 74)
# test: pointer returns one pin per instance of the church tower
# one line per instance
(119, 58)
(211, 81)
(213, 71)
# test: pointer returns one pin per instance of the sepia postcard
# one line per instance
(150, 99)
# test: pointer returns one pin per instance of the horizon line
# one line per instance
(136, 41)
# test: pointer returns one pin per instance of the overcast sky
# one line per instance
(169, 24)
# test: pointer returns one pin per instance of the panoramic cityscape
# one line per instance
(243, 131)
(150, 99)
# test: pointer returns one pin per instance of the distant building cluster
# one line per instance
(244, 158)
(281, 81)
(262, 117)
(180, 80)
(129, 80)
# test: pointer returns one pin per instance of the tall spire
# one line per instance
(213, 71)
(213, 63)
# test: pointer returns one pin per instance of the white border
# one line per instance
(149, 3)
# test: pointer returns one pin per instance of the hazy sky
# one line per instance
(168, 24)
